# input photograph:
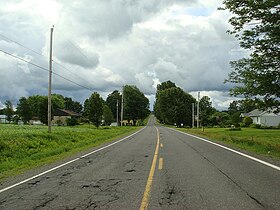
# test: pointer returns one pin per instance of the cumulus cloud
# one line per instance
(109, 43)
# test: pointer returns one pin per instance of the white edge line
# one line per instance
(234, 151)
(71, 161)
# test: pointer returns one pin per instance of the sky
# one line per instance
(102, 45)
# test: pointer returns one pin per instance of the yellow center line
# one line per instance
(160, 164)
(145, 199)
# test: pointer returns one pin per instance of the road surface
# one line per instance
(157, 168)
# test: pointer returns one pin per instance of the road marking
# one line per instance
(67, 163)
(160, 163)
(234, 151)
(161, 145)
(145, 199)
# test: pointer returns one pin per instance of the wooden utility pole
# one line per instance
(198, 95)
(117, 112)
(122, 108)
(192, 115)
(50, 85)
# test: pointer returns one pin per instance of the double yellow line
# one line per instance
(145, 200)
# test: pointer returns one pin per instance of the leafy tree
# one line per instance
(94, 109)
(9, 111)
(173, 105)
(107, 115)
(206, 110)
(165, 85)
(72, 105)
(160, 87)
(112, 100)
(39, 106)
(24, 110)
(247, 121)
(256, 25)
(220, 118)
(233, 107)
(136, 105)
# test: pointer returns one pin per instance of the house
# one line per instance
(60, 116)
(3, 119)
(264, 118)
(35, 121)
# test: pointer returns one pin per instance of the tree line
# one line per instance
(95, 109)
(173, 106)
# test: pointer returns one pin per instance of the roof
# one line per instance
(258, 113)
(64, 112)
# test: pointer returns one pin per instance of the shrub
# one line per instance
(72, 121)
(247, 121)
(234, 129)
(255, 126)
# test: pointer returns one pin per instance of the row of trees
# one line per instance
(95, 109)
(174, 106)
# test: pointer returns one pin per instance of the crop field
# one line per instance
(261, 141)
(24, 147)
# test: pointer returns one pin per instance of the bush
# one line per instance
(247, 121)
(72, 121)
(255, 126)
(234, 129)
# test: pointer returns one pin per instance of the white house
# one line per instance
(3, 119)
(264, 118)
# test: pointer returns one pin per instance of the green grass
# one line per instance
(260, 141)
(26, 147)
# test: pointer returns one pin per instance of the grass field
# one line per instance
(260, 141)
(26, 147)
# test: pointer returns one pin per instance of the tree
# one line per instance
(107, 115)
(173, 105)
(165, 85)
(206, 109)
(247, 121)
(136, 105)
(94, 109)
(220, 118)
(9, 111)
(160, 87)
(24, 110)
(72, 105)
(112, 100)
(256, 25)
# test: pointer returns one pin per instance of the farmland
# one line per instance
(25, 147)
(261, 141)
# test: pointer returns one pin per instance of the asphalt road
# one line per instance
(157, 168)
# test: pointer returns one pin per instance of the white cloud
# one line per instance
(107, 44)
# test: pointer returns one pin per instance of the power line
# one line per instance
(20, 44)
(56, 62)
(44, 69)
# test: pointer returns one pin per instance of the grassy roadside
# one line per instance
(260, 141)
(26, 147)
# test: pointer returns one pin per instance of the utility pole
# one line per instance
(198, 95)
(122, 108)
(50, 85)
(192, 115)
(117, 112)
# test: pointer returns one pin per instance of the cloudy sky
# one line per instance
(104, 44)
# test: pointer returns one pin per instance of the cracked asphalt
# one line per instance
(194, 175)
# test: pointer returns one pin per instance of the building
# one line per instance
(3, 119)
(264, 118)
(60, 116)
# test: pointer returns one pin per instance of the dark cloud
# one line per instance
(105, 44)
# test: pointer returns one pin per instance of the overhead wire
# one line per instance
(44, 69)
(56, 62)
